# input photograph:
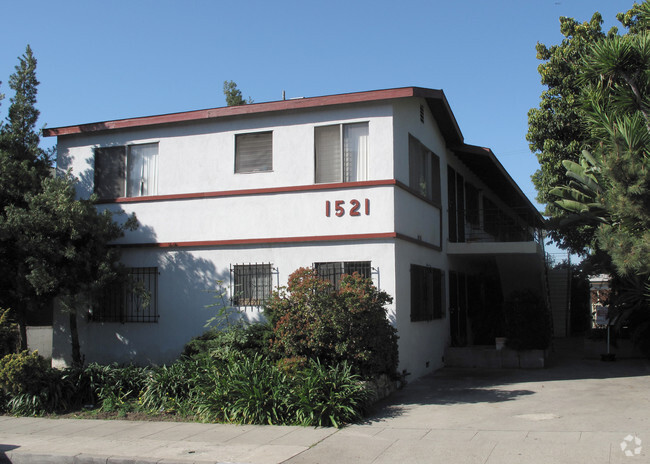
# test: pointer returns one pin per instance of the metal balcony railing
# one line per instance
(494, 225)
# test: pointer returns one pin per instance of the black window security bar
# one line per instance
(334, 271)
(132, 300)
(251, 284)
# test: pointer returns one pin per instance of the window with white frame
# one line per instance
(254, 152)
(133, 299)
(251, 284)
(424, 171)
(126, 171)
(334, 271)
(341, 152)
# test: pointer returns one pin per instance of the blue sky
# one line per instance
(102, 60)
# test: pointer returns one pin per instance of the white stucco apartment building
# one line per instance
(380, 182)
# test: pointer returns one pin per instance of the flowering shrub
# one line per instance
(311, 319)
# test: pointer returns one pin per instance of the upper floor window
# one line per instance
(126, 171)
(341, 152)
(424, 171)
(254, 152)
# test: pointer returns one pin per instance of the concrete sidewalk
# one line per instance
(575, 411)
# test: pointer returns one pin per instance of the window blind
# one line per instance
(254, 152)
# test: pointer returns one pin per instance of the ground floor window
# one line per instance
(134, 299)
(427, 293)
(334, 271)
(251, 284)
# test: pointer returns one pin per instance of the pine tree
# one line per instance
(233, 94)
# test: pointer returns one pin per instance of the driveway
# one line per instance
(575, 411)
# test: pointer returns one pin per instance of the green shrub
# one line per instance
(257, 391)
(310, 319)
(23, 372)
(528, 321)
(172, 389)
(31, 387)
(109, 386)
(245, 390)
(328, 396)
(248, 340)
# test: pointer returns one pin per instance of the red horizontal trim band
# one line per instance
(260, 191)
(417, 241)
(259, 241)
(282, 105)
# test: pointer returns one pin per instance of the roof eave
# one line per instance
(435, 99)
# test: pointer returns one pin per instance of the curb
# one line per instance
(30, 458)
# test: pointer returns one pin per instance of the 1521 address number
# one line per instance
(354, 208)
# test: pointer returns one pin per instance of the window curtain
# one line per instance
(355, 149)
(142, 163)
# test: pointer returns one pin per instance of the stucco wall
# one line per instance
(186, 284)
(422, 342)
(201, 157)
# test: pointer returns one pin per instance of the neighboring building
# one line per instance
(379, 182)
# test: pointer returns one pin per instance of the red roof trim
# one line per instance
(255, 108)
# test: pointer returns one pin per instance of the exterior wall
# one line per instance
(277, 217)
(421, 344)
(188, 277)
(259, 216)
(201, 157)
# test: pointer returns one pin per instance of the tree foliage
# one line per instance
(51, 243)
(233, 94)
(556, 131)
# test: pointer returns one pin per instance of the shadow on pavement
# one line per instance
(449, 386)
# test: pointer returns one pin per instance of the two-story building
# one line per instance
(237, 198)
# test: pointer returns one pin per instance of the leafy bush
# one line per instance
(244, 390)
(31, 387)
(528, 321)
(172, 389)
(310, 319)
(328, 396)
(247, 340)
(109, 386)
(258, 391)
(23, 372)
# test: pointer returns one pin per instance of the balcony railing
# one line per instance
(494, 225)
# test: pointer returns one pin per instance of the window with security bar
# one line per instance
(427, 293)
(334, 271)
(251, 284)
(134, 299)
